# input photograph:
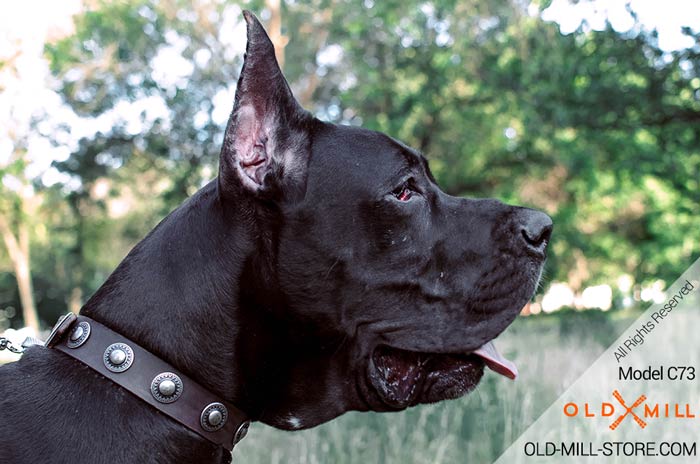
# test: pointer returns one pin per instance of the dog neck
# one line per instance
(200, 292)
(176, 294)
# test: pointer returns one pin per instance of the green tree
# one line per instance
(17, 203)
(597, 128)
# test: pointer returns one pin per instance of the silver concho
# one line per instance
(78, 335)
(213, 417)
(241, 432)
(166, 387)
(64, 323)
(118, 357)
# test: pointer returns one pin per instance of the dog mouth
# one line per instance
(404, 378)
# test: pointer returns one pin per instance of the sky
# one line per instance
(26, 25)
(666, 16)
(24, 92)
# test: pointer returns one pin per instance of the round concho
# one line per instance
(78, 335)
(118, 357)
(213, 417)
(241, 432)
(166, 387)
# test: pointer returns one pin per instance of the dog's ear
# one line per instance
(266, 142)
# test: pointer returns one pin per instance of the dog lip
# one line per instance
(401, 378)
(397, 375)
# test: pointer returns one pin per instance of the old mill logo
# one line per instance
(640, 411)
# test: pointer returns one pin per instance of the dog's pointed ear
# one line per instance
(266, 141)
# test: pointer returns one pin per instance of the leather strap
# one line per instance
(189, 407)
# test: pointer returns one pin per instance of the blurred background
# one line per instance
(112, 113)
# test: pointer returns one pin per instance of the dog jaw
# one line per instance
(404, 378)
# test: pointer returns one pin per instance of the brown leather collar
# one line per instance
(149, 378)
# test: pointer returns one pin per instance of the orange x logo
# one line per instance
(628, 410)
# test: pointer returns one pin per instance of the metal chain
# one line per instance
(6, 344)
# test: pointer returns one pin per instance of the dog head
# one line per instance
(383, 291)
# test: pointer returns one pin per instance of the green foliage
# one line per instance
(598, 129)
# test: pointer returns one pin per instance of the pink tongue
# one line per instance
(496, 362)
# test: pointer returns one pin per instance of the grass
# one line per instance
(550, 351)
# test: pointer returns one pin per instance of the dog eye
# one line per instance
(403, 193)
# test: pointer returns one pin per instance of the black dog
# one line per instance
(322, 271)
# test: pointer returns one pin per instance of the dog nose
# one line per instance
(536, 229)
